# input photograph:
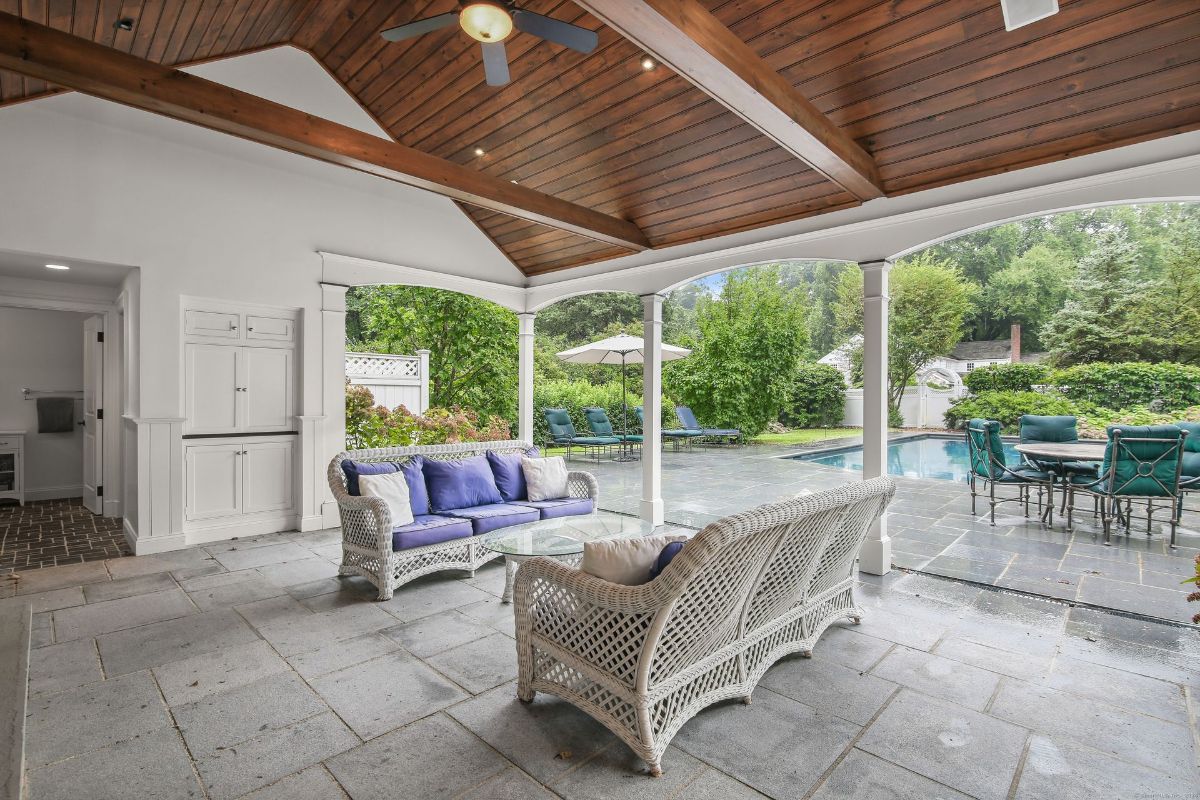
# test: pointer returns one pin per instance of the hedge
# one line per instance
(1007, 407)
(1129, 384)
(1006, 377)
(818, 397)
(578, 395)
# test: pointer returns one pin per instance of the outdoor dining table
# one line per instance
(1083, 450)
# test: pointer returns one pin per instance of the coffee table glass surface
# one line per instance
(560, 538)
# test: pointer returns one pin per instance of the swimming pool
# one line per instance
(942, 458)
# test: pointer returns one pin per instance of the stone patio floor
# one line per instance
(933, 531)
(247, 669)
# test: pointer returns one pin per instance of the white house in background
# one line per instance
(964, 358)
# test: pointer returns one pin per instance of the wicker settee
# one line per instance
(745, 591)
(374, 548)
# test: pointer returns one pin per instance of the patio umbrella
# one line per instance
(621, 349)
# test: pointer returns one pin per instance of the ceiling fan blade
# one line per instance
(553, 30)
(420, 26)
(495, 63)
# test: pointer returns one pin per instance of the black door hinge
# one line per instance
(99, 336)
(99, 413)
(99, 491)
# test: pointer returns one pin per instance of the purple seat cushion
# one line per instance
(353, 469)
(465, 483)
(429, 529)
(562, 507)
(510, 478)
(489, 517)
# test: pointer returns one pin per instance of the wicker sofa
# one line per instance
(745, 591)
(391, 556)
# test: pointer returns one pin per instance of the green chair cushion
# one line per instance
(1143, 468)
(1192, 443)
(1037, 428)
(595, 440)
(1023, 474)
(597, 420)
(986, 448)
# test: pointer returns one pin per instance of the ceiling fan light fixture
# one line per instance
(486, 22)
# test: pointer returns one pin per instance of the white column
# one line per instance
(333, 382)
(652, 504)
(525, 377)
(875, 557)
(423, 355)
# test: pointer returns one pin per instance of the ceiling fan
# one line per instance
(490, 22)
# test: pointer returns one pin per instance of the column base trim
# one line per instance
(875, 555)
(653, 512)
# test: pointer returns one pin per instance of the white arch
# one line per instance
(353, 271)
(951, 377)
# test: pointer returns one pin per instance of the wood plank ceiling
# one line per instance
(936, 90)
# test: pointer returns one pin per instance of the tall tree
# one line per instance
(930, 299)
(822, 320)
(472, 342)
(1094, 323)
(1165, 323)
(752, 336)
(1031, 289)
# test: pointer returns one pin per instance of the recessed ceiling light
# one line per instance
(647, 63)
(512, 180)
(56, 266)
(124, 24)
(478, 151)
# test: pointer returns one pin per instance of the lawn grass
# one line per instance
(806, 436)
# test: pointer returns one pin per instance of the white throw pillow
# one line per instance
(393, 488)
(625, 561)
(545, 478)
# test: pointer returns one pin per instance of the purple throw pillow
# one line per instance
(664, 557)
(510, 478)
(414, 476)
(353, 469)
(463, 483)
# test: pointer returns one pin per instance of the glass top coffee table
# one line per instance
(560, 538)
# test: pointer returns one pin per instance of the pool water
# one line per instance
(937, 457)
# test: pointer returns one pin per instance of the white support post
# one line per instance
(423, 355)
(875, 557)
(525, 377)
(333, 379)
(652, 504)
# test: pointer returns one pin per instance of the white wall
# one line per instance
(42, 350)
(207, 215)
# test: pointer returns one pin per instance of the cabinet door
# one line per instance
(267, 380)
(271, 329)
(214, 324)
(211, 388)
(266, 476)
(212, 480)
(10, 471)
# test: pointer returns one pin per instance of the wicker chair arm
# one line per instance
(377, 533)
(539, 577)
(583, 484)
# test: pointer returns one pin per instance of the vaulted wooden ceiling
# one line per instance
(935, 90)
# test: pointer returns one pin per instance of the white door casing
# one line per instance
(93, 414)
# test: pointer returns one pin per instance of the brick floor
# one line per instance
(49, 533)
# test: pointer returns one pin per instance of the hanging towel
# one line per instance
(56, 414)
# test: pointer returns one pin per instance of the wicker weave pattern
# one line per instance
(747, 590)
(367, 521)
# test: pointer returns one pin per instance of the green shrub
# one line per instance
(575, 396)
(1131, 384)
(1007, 407)
(369, 425)
(1006, 377)
(818, 397)
(1093, 422)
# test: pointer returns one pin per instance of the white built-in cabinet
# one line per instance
(239, 387)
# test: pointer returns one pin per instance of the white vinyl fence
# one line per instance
(394, 380)
(922, 406)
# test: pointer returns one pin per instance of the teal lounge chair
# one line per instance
(676, 436)
(1189, 472)
(562, 432)
(597, 420)
(1141, 462)
(690, 423)
(986, 452)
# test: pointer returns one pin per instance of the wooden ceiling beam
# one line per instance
(683, 35)
(41, 52)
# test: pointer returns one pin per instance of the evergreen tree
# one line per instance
(1165, 323)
